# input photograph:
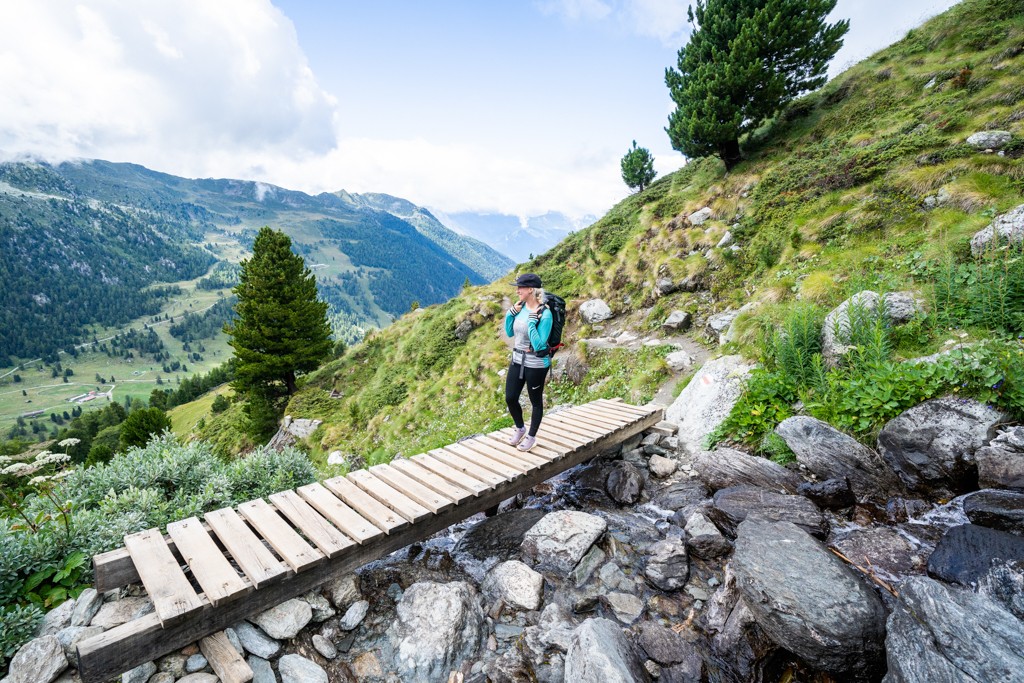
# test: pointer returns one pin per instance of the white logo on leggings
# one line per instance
(536, 387)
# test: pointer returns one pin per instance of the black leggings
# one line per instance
(533, 380)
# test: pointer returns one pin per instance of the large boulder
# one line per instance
(624, 483)
(965, 553)
(516, 584)
(1001, 463)
(732, 505)
(808, 601)
(677, 321)
(944, 633)
(996, 509)
(835, 333)
(931, 446)
(707, 400)
(741, 647)
(889, 554)
(600, 653)
(1009, 227)
(901, 307)
(595, 311)
(831, 454)
(561, 538)
(717, 326)
(437, 626)
(989, 139)
(500, 536)
(725, 467)
(39, 660)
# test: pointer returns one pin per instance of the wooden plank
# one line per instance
(535, 456)
(434, 482)
(345, 518)
(366, 505)
(557, 428)
(513, 461)
(606, 423)
(509, 472)
(577, 426)
(124, 647)
(424, 495)
(388, 495)
(172, 595)
(213, 572)
(619, 405)
(258, 563)
(550, 451)
(607, 410)
(225, 660)
(286, 542)
(467, 466)
(551, 435)
(494, 446)
(451, 474)
(617, 419)
(322, 533)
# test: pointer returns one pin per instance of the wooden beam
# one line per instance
(124, 647)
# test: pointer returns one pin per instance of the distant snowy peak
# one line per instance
(514, 236)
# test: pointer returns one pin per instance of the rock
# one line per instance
(701, 216)
(71, 636)
(291, 431)
(57, 619)
(717, 326)
(725, 467)
(140, 674)
(86, 607)
(366, 665)
(210, 678)
(234, 640)
(40, 660)
(322, 610)
(325, 647)
(594, 558)
(1001, 463)
(284, 621)
(437, 626)
(887, 552)
(626, 607)
(725, 241)
(936, 633)
(732, 505)
(354, 615)
(624, 483)
(679, 361)
(678, 321)
(965, 553)
(663, 286)
(831, 494)
(614, 579)
(901, 307)
(463, 329)
(600, 653)
(1002, 510)
(835, 333)
(336, 458)
(705, 541)
(195, 663)
(516, 584)
(682, 496)
(707, 400)
(661, 466)
(668, 565)
(121, 611)
(1009, 227)
(553, 632)
(561, 538)
(298, 669)
(931, 446)
(343, 591)
(173, 664)
(256, 641)
(262, 672)
(159, 677)
(500, 536)
(831, 454)
(692, 283)
(738, 643)
(808, 601)
(989, 139)
(595, 311)
(662, 644)
(1004, 584)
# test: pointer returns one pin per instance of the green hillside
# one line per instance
(865, 184)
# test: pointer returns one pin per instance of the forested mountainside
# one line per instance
(81, 242)
(868, 183)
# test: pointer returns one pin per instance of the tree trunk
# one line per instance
(289, 383)
(730, 153)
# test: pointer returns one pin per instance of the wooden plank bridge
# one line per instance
(206, 575)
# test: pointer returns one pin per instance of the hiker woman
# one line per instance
(529, 322)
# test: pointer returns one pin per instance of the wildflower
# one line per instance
(19, 469)
(69, 442)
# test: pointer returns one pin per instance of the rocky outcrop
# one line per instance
(292, 431)
(966, 553)
(707, 400)
(808, 601)
(1001, 463)
(1009, 227)
(733, 505)
(600, 653)
(725, 467)
(558, 541)
(996, 509)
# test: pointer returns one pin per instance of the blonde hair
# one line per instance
(539, 293)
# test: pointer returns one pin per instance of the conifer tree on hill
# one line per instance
(638, 168)
(745, 60)
(281, 328)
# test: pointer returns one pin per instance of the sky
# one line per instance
(508, 106)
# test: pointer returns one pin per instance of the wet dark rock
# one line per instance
(996, 509)
(668, 565)
(625, 483)
(881, 549)
(932, 445)
(662, 644)
(1001, 463)
(831, 494)
(966, 553)
(704, 540)
(725, 467)
(808, 601)
(680, 495)
(600, 653)
(499, 536)
(732, 505)
(831, 454)
(1004, 584)
(741, 649)
(899, 509)
(589, 484)
(945, 633)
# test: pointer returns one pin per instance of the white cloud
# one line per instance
(661, 19)
(575, 10)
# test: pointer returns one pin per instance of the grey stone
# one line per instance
(195, 663)
(298, 669)
(889, 554)
(354, 615)
(594, 558)
(600, 653)
(200, 677)
(661, 466)
(595, 311)
(262, 672)
(625, 483)
(725, 467)
(831, 494)
(322, 610)
(989, 139)
(507, 631)
(807, 600)
(705, 541)
(965, 553)
(732, 505)
(1009, 227)
(140, 674)
(162, 677)
(668, 565)
(121, 611)
(626, 607)
(663, 286)
(707, 400)
(1001, 463)
(71, 636)
(173, 664)
(717, 326)
(234, 640)
(86, 607)
(835, 333)
(678, 361)
(344, 591)
(255, 641)
(516, 584)
(725, 241)
(57, 619)
(678, 320)
(559, 540)
(324, 647)
(901, 307)
(661, 643)
(701, 216)
(40, 660)
(996, 509)
(613, 578)
(500, 536)
(284, 621)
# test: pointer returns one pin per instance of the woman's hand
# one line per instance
(516, 307)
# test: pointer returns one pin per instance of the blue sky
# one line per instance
(513, 107)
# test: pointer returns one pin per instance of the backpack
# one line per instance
(556, 305)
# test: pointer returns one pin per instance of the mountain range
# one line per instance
(519, 238)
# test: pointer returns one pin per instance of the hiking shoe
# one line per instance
(517, 436)
(527, 443)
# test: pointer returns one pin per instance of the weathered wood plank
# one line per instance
(452, 474)
(400, 481)
(467, 466)
(602, 410)
(366, 505)
(172, 595)
(125, 647)
(487, 445)
(619, 405)
(322, 533)
(571, 426)
(330, 506)
(293, 549)
(550, 433)
(388, 495)
(258, 563)
(549, 450)
(537, 455)
(225, 660)
(579, 416)
(213, 572)
(434, 482)
(504, 470)
(609, 422)
(513, 461)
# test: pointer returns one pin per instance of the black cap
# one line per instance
(527, 280)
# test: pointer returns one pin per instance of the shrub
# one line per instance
(17, 625)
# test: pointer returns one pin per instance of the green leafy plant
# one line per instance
(17, 625)
(55, 583)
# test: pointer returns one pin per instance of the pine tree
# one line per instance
(281, 328)
(638, 168)
(745, 60)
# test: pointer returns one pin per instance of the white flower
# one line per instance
(19, 469)
(37, 480)
(67, 443)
